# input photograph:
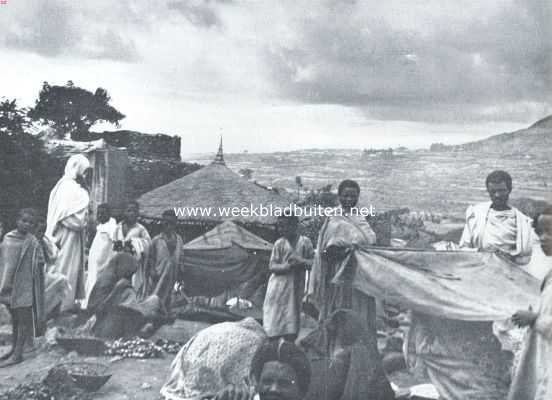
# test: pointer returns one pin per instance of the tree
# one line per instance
(71, 110)
(13, 120)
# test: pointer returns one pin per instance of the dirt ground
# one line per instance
(132, 379)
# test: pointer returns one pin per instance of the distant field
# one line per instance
(439, 182)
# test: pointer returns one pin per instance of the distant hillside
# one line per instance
(536, 139)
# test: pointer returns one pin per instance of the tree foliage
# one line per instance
(13, 120)
(27, 172)
(72, 110)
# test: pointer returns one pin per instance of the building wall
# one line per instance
(109, 178)
(158, 146)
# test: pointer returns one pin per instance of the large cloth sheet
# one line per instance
(454, 296)
(461, 285)
(533, 378)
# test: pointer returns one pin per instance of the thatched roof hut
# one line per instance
(212, 187)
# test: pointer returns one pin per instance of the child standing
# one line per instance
(291, 256)
(533, 380)
(22, 284)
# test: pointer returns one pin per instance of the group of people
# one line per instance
(129, 278)
(343, 351)
(129, 273)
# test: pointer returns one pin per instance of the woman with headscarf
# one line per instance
(343, 362)
(66, 225)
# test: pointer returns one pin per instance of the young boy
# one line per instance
(292, 254)
(533, 380)
(22, 284)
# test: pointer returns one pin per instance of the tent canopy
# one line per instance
(224, 258)
(225, 236)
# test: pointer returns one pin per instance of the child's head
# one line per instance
(132, 210)
(169, 220)
(40, 228)
(103, 213)
(543, 227)
(26, 220)
(287, 225)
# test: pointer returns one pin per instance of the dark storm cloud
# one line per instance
(344, 55)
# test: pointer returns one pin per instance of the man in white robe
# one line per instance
(66, 226)
(533, 379)
(496, 226)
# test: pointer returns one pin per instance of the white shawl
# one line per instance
(67, 197)
(476, 220)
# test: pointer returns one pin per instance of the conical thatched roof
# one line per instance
(215, 186)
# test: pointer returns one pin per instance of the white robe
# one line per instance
(141, 242)
(484, 231)
(66, 226)
(533, 379)
(100, 253)
(286, 287)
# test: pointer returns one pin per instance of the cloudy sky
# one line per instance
(290, 74)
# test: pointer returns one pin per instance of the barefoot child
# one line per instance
(291, 255)
(22, 284)
(533, 380)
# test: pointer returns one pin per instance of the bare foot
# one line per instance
(12, 360)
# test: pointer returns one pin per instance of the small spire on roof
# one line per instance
(219, 158)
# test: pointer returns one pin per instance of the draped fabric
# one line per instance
(100, 253)
(66, 223)
(222, 259)
(141, 242)
(67, 197)
(214, 358)
(56, 285)
(286, 286)
(462, 285)
(509, 230)
(210, 272)
(345, 232)
(344, 366)
(22, 276)
(113, 291)
(162, 268)
(533, 378)
(455, 296)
